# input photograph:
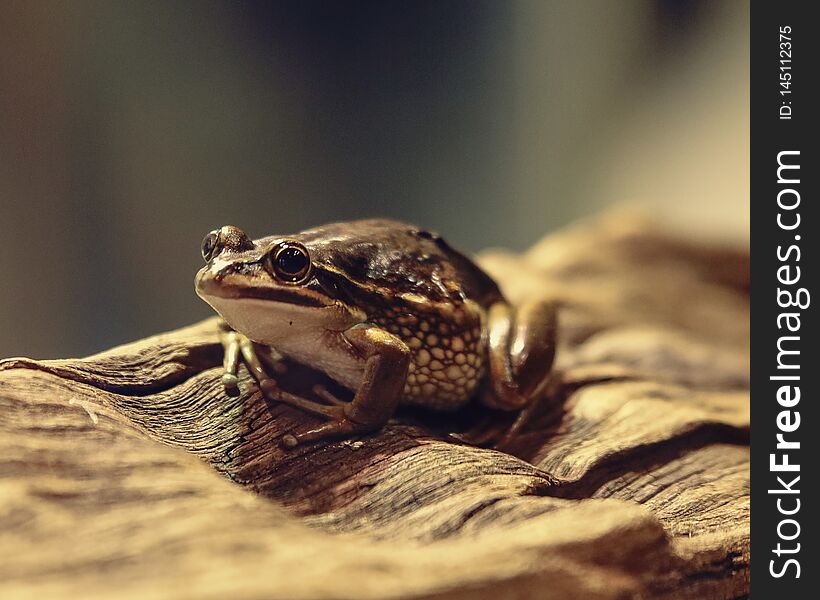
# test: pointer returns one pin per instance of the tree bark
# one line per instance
(132, 474)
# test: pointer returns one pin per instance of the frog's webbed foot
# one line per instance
(338, 424)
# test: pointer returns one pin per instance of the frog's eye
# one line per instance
(290, 262)
(211, 245)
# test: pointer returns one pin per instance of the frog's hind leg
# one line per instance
(521, 350)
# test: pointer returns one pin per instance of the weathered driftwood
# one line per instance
(131, 474)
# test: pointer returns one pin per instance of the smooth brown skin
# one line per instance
(386, 309)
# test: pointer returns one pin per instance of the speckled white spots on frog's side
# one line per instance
(448, 353)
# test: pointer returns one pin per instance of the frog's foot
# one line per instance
(341, 428)
(521, 419)
(338, 423)
(235, 345)
(489, 432)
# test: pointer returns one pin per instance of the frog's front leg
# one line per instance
(521, 349)
(387, 360)
(235, 345)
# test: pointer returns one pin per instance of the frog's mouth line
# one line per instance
(300, 296)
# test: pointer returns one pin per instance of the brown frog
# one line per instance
(384, 308)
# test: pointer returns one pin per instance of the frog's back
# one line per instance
(413, 284)
(397, 258)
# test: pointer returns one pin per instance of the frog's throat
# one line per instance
(271, 322)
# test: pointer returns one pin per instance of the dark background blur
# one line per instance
(130, 129)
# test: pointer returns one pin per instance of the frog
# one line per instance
(387, 310)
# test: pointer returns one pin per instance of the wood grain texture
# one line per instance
(132, 474)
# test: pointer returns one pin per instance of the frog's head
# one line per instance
(268, 289)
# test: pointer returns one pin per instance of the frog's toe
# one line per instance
(290, 441)
(230, 382)
(336, 428)
(328, 396)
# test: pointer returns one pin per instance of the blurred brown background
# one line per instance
(130, 129)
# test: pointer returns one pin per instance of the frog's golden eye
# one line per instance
(211, 245)
(290, 262)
